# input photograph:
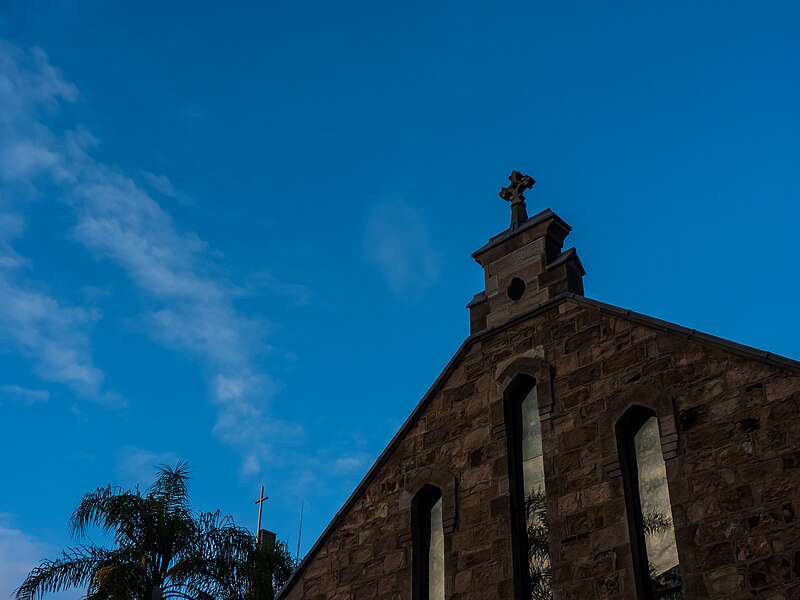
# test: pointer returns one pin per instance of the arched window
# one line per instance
(532, 571)
(655, 551)
(427, 544)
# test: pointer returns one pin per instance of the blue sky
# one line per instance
(239, 233)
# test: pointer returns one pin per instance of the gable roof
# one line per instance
(651, 322)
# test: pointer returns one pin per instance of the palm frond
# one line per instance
(76, 567)
(172, 486)
(655, 522)
(111, 509)
(269, 568)
(217, 557)
(163, 549)
(538, 547)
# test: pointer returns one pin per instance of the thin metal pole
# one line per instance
(299, 532)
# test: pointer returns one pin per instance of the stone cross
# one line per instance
(261, 499)
(514, 193)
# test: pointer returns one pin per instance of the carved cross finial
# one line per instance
(514, 193)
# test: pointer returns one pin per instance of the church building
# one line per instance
(574, 450)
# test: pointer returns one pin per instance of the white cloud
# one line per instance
(194, 307)
(266, 284)
(242, 422)
(162, 184)
(26, 396)
(11, 227)
(29, 83)
(190, 306)
(52, 334)
(351, 463)
(25, 159)
(137, 466)
(19, 553)
(398, 242)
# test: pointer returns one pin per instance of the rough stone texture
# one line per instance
(730, 429)
(734, 472)
(530, 253)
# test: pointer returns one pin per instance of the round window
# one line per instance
(516, 288)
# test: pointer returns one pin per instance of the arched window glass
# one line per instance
(428, 544)
(436, 554)
(650, 514)
(528, 501)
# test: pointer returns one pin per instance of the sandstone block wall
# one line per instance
(730, 427)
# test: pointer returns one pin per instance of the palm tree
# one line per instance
(163, 549)
(269, 568)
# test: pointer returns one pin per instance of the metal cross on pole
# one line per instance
(514, 194)
(261, 499)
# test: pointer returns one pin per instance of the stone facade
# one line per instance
(729, 420)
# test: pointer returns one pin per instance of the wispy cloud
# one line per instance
(352, 463)
(24, 395)
(189, 303)
(398, 242)
(27, 158)
(137, 466)
(266, 284)
(120, 222)
(11, 227)
(192, 306)
(19, 553)
(52, 334)
(162, 185)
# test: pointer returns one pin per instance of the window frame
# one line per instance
(421, 508)
(627, 428)
(513, 397)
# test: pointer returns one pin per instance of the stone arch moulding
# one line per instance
(532, 364)
(440, 477)
(620, 404)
